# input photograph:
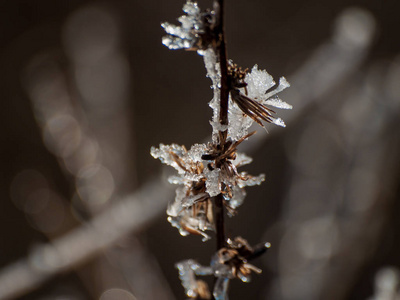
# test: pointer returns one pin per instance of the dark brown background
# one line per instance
(167, 102)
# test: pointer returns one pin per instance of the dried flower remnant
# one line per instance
(194, 219)
(231, 261)
(228, 263)
(224, 160)
(249, 95)
(196, 31)
(191, 212)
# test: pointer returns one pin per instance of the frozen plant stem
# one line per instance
(223, 116)
(224, 68)
(211, 185)
(219, 221)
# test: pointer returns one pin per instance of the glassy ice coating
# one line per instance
(221, 289)
(228, 263)
(185, 220)
(214, 73)
(188, 269)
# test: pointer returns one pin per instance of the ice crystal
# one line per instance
(187, 163)
(259, 82)
(191, 200)
(213, 182)
(188, 269)
(186, 223)
(258, 85)
(237, 198)
(221, 288)
(242, 159)
(187, 277)
(278, 103)
(250, 180)
(201, 179)
(279, 122)
(195, 31)
(214, 73)
(165, 154)
(228, 263)
(191, 211)
(184, 36)
(191, 214)
(176, 179)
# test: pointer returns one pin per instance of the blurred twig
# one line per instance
(337, 206)
(129, 215)
(329, 65)
(79, 117)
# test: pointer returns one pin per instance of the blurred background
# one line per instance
(86, 88)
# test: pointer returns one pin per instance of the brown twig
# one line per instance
(223, 116)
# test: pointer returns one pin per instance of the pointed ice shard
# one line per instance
(279, 122)
(283, 84)
(277, 102)
(221, 289)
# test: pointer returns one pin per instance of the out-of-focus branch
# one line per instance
(129, 215)
(329, 65)
(387, 283)
(79, 116)
(338, 205)
(335, 213)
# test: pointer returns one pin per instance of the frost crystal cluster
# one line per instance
(195, 32)
(255, 97)
(208, 179)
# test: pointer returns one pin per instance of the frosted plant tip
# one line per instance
(196, 31)
(251, 94)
